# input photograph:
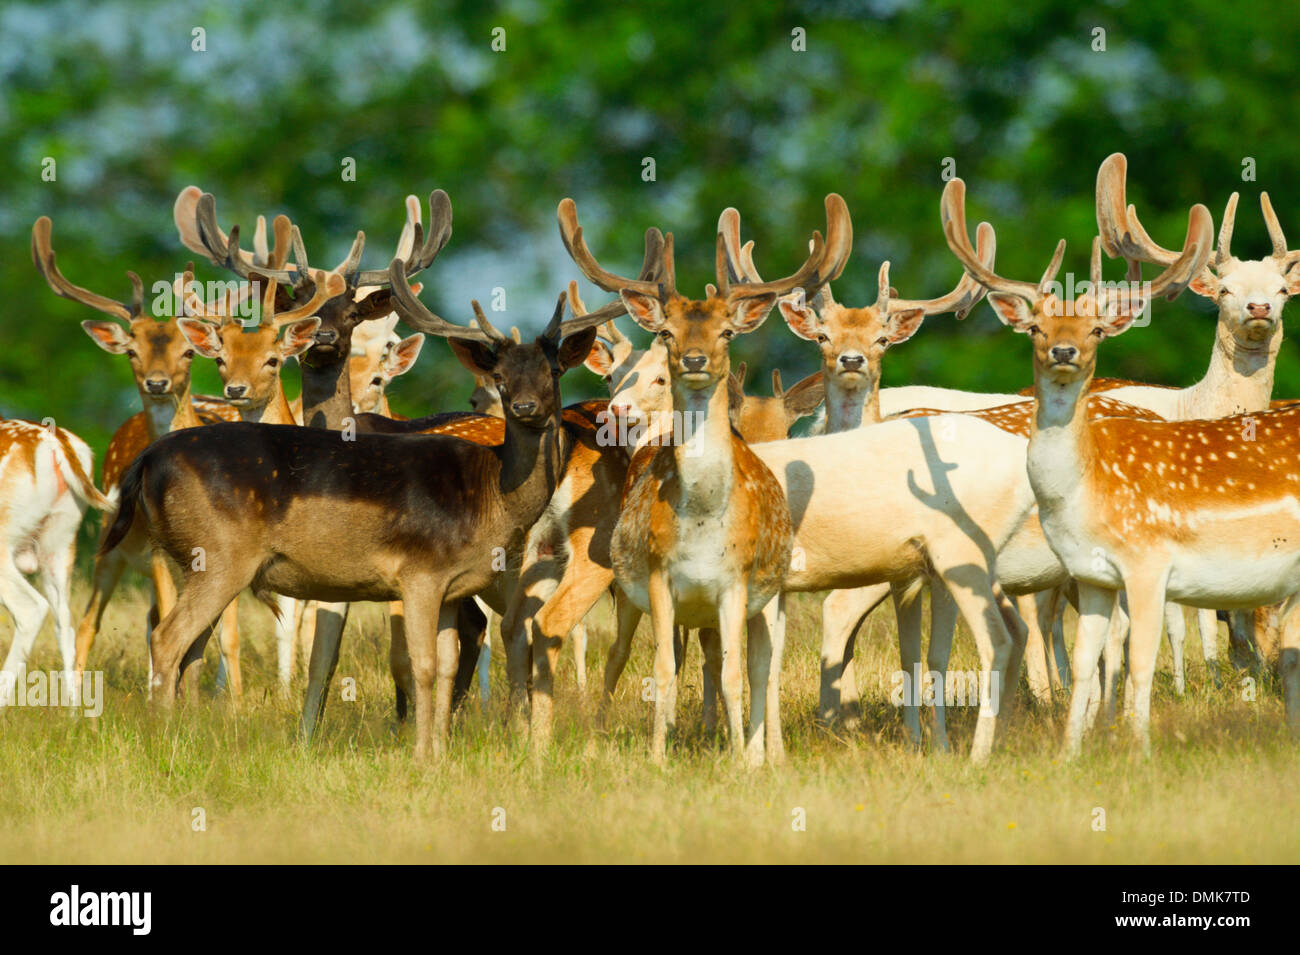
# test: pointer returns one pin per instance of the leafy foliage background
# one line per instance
(1010, 89)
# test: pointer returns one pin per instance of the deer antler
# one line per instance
(952, 216)
(43, 257)
(738, 278)
(656, 270)
(1122, 234)
(965, 296)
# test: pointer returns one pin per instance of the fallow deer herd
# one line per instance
(679, 495)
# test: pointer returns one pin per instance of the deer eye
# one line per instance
(661, 380)
(188, 353)
(221, 362)
(823, 339)
(666, 335)
(376, 381)
(1098, 332)
(272, 362)
(1035, 330)
(728, 334)
(882, 341)
(498, 378)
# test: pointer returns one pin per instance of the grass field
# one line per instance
(1223, 784)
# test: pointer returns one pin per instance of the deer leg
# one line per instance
(399, 661)
(943, 625)
(424, 625)
(104, 578)
(771, 628)
(1241, 641)
(1113, 656)
(731, 626)
(1207, 625)
(472, 631)
(330, 619)
(572, 599)
(1176, 628)
(711, 645)
(907, 607)
(1095, 605)
(1036, 668)
(180, 638)
(1019, 633)
(1289, 663)
(1146, 601)
(842, 612)
(228, 642)
(285, 624)
(662, 619)
(484, 666)
(627, 615)
(972, 591)
(27, 608)
(1057, 604)
(56, 585)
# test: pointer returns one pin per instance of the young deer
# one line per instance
(704, 536)
(378, 356)
(305, 496)
(1201, 512)
(160, 360)
(45, 487)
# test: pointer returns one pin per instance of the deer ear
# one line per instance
(804, 397)
(600, 360)
(800, 316)
(204, 336)
(109, 336)
(1205, 285)
(1012, 310)
(645, 310)
(576, 349)
(402, 358)
(1293, 282)
(1116, 317)
(752, 312)
(298, 337)
(902, 325)
(478, 357)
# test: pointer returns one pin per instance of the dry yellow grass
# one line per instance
(125, 787)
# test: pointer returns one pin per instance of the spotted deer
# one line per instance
(1249, 296)
(160, 359)
(45, 488)
(703, 539)
(1200, 512)
(249, 359)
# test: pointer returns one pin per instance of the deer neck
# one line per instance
(274, 411)
(851, 406)
(532, 460)
(326, 392)
(1061, 450)
(1240, 376)
(382, 407)
(705, 459)
(165, 413)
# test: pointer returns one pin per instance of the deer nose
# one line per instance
(236, 391)
(851, 361)
(157, 386)
(1064, 353)
(326, 336)
(694, 362)
(1258, 310)
(523, 408)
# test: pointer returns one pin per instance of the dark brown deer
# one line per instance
(420, 518)
(326, 389)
